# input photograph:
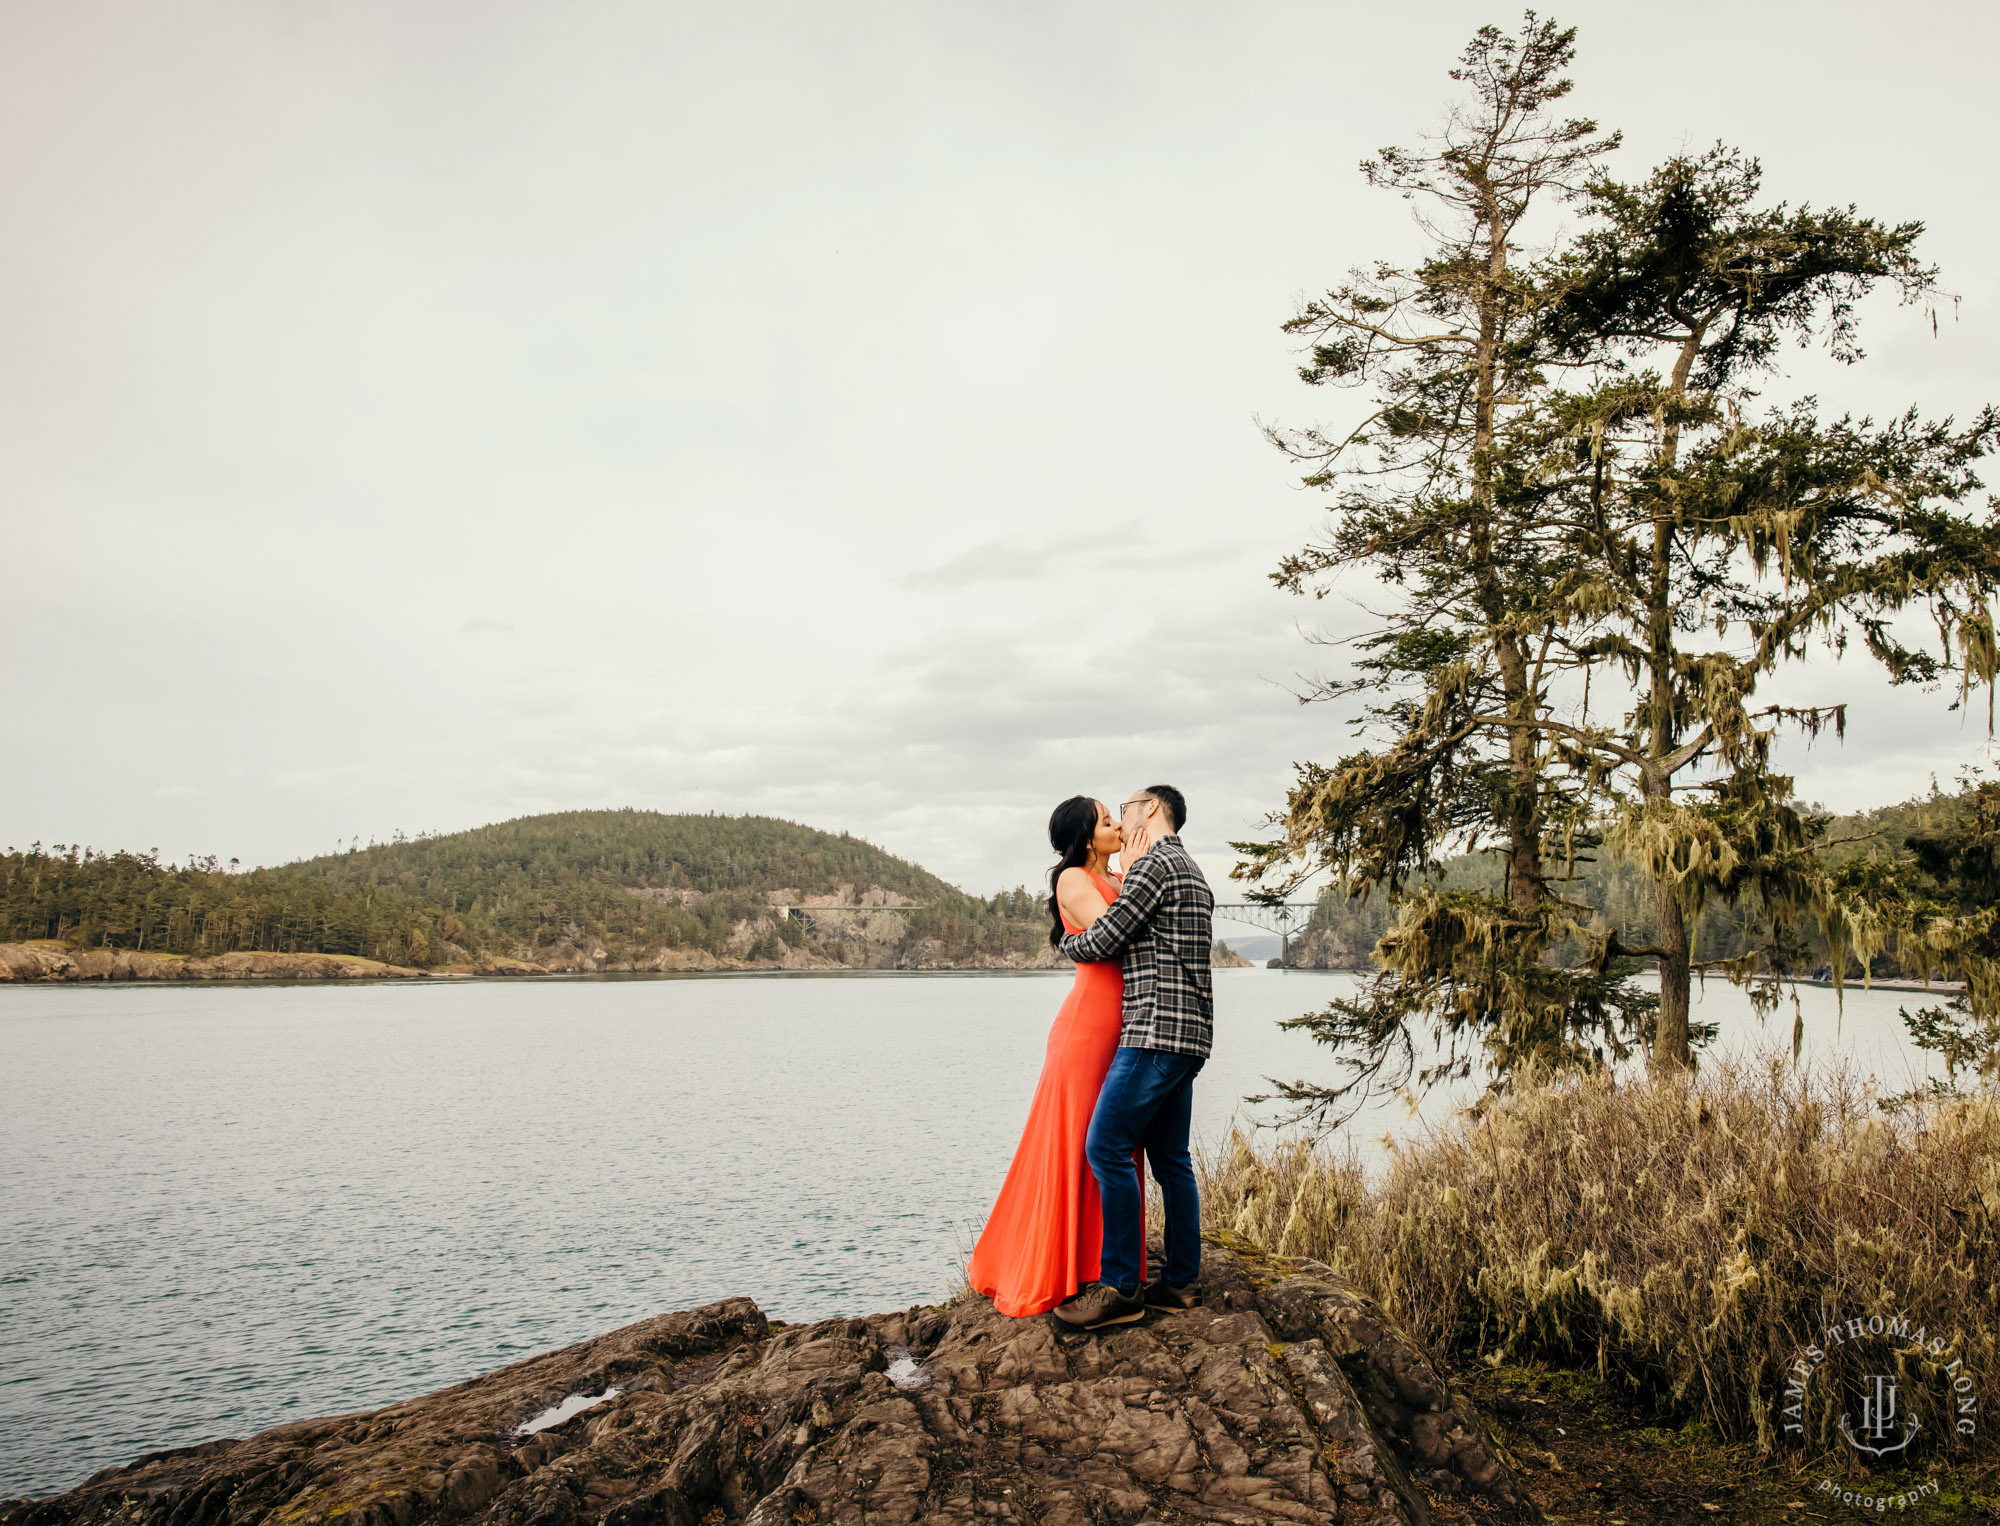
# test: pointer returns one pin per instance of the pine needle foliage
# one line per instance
(1719, 546)
(1942, 901)
(1595, 553)
(1427, 498)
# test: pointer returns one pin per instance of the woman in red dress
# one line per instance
(1042, 1240)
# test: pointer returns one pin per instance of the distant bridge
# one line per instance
(1281, 917)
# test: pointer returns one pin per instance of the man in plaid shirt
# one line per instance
(1162, 925)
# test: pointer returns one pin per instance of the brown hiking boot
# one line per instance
(1162, 1294)
(1096, 1305)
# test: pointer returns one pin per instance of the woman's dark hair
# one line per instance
(1072, 826)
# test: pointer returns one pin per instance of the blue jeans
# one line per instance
(1146, 1100)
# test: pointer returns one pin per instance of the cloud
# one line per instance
(999, 562)
(1065, 559)
(521, 328)
(953, 749)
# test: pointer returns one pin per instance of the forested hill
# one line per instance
(633, 850)
(1341, 934)
(574, 890)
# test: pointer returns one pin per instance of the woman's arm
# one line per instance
(1080, 899)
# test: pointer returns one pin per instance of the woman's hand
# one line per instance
(1138, 842)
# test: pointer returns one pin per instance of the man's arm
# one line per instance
(1138, 898)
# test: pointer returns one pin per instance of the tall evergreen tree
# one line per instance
(1581, 542)
(1426, 497)
(1715, 549)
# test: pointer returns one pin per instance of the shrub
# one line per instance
(1686, 1237)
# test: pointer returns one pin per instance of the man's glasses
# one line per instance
(1135, 800)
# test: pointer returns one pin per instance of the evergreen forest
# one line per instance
(1618, 896)
(599, 889)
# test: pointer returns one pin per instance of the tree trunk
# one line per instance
(1522, 810)
(1671, 1051)
(1670, 1039)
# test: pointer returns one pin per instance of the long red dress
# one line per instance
(1042, 1240)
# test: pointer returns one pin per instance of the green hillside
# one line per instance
(550, 855)
(575, 889)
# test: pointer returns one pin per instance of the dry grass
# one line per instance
(1684, 1237)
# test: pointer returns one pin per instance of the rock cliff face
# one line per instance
(1286, 1396)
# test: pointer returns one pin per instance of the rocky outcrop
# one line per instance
(493, 964)
(49, 960)
(1285, 1396)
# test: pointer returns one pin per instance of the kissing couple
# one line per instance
(1068, 1232)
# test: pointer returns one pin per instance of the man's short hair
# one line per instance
(1173, 800)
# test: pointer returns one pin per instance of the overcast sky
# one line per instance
(418, 414)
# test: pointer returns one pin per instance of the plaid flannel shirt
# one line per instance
(1162, 922)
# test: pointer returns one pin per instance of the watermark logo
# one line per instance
(1889, 1388)
(1878, 1415)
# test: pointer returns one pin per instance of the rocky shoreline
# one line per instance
(47, 961)
(1285, 1396)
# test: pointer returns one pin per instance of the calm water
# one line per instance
(226, 1207)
